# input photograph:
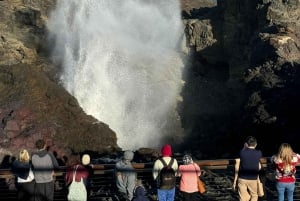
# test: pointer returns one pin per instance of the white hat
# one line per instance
(86, 159)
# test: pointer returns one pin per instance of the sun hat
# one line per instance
(86, 159)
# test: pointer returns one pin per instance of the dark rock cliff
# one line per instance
(244, 73)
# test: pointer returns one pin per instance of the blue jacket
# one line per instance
(140, 194)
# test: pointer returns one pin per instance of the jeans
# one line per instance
(166, 195)
(282, 187)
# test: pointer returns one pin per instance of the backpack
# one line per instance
(167, 178)
(77, 190)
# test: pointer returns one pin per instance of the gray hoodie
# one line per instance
(43, 163)
(126, 177)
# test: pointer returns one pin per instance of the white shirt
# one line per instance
(28, 179)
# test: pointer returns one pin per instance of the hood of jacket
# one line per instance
(41, 153)
(140, 191)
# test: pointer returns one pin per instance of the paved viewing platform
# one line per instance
(217, 175)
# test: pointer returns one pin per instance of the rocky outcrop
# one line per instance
(272, 107)
(33, 104)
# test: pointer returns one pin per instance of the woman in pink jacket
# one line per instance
(189, 173)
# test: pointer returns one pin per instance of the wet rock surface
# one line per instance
(33, 104)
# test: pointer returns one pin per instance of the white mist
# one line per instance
(120, 60)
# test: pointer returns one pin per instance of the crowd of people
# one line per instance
(35, 177)
(247, 172)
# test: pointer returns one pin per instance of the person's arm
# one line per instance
(68, 179)
(298, 158)
(120, 177)
(131, 182)
(54, 161)
(198, 169)
(179, 171)
(15, 166)
(236, 171)
(175, 167)
(260, 165)
(155, 170)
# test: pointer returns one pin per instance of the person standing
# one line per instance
(126, 176)
(44, 164)
(140, 192)
(21, 167)
(189, 173)
(86, 162)
(76, 168)
(247, 170)
(165, 192)
(81, 172)
(285, 168)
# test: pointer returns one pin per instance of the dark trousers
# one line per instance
(44, 191)
(26, 191)
(190, 196)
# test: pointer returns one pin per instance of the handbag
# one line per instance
(77, 190)
(200, 184)
(260, 188)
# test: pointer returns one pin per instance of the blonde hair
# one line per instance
(285, 153)
(24, 156)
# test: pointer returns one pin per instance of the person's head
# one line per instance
(251, 142)
(285, 153)
(140, 191)
(166, 150)
(40, 144)
(187, 159)
(128, 156)
(24, 155)
(74, 159)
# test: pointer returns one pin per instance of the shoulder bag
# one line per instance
(200, 183)
(77, 190)
(260, 188)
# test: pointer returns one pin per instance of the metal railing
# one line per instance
(217, 175)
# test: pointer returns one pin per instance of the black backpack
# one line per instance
(167, 178)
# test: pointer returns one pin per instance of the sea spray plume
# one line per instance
(120, 60)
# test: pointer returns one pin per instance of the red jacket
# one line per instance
(286, 175)
(81, 172)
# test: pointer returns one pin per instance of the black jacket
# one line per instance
(20, 169)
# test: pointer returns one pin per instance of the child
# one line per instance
(140, 192)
